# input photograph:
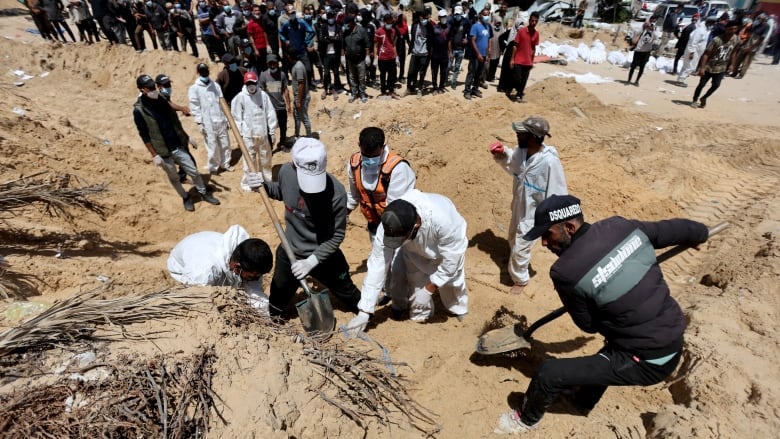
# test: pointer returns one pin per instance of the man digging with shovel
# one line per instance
(315, 206)
(610, 283)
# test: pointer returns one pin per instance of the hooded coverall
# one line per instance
(535, 178)
(697, 43)
(256, 120)
(204, 105)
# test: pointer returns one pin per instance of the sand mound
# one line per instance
(640, 165)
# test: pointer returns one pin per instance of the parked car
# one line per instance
(685, 17)
(642, 10)
(711, 10)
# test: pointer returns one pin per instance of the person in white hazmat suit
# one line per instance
(255, 118)
(204, 96)
(223, 259)
(537, 173)
(697, 44)
(430, 236)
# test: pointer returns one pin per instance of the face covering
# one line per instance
(202, 4)
(177, 6)
(274, 69)
(251, 89)
(257, 16)
(272, 12)
(154, 94)
(307, 17)
(148, 4)
(324, 17)
(424, 21)
(458, 17)
(227, 8)
(486, 19)
(204, 79)
(359, 18)
(331, 21)
(327, 8)
(248, 50)
(166, 91)
(233, 67)
(371, 162)
(497, 26)
(246, 13)
(388, 26)
(443, 23)
(292, 16)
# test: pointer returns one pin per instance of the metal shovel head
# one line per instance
(316, 313)
(506, 339)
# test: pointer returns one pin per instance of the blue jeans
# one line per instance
(302, 115)
(457, 59)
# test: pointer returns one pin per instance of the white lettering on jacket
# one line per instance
(605, 272)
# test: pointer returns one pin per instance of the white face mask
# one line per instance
(154, 94)
(251, 89)
(274, 69)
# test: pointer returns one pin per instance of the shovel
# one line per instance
(315, 311)
(512, 338)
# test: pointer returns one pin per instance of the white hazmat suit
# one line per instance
(205, 109)
(256, 119)
(535, 179)
(436, 254)
(697, 44)
(202, 259)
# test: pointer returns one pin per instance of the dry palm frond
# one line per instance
(56, 194)
(165, 397)
(79, 317)
(355, 381)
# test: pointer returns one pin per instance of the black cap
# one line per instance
(228, 58)
(203, 68)
(398, 220)
(553, 210)
(145, 81)
(162, 79)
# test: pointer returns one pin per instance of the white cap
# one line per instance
(442, 13)
(458, 10)
(310, 160)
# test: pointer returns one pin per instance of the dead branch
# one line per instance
(57, 194)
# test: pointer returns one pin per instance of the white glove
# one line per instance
(302, 267)
(273, 141)
(254, 179)
(358, 324)
(421, 307)
(158, 161)
(193, 143)
(368, 60)
(343, 61)
(269, 50)
(397, 61)
(376, 61)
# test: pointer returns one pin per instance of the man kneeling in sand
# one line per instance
(219, 259)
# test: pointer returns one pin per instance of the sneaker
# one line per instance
(520, 100)
(351, 99)
(702, 102)
(189, 205)
(467, 96)
(419, 93)
(324, 95)
(477, 93)
(364, 99)
(483, 85)
(694, 104)
(510, 423)
(453, 86)
(207, 197)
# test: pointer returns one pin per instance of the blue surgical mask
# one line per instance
(486, 19)
(272, 12)
(166, 91)
(458, 17)
(227, 8)
(307, 17)
(177, 6)
(371, 162)
(205, 79)
(331, 21)
(246, 13)
(248, 50)
(327, 8)
(233, 67)
(424, 22)
(388, 26)
(149, 4)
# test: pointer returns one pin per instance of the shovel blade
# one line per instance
(316, 313)
(497, 341)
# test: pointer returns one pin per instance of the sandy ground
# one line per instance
(652, 161)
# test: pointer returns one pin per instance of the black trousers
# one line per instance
(332, 272)
(331, 67)
(521, 74)
(639, 60)
(439, 72)
(281, 119)
(716, 79)
(387, 75)
(418, 66)
(593, 374)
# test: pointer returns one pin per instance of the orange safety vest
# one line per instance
(373, 203)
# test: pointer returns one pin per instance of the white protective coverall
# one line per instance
(535, 179)
(202, 259)
(256, 118)
(205, 109)
(436, 254)
(697, 44)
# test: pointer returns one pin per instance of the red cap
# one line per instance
(250, 77)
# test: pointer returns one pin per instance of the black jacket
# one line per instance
(610, 283)
(324, 38)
